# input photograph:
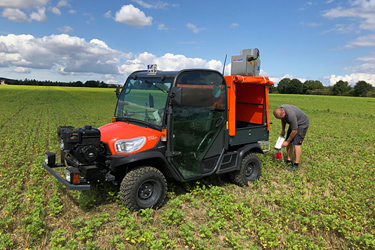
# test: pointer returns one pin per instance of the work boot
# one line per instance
(294, 167)
(288, 163)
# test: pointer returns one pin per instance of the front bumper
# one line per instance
(68, 185)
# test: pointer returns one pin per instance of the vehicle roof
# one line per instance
(161, 73)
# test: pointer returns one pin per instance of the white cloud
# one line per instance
(72, 11)
(362, 9)
(278, 79)
(343, 28)
(234, 25)
(7, 49)
(63, 3)
(15, 15)
(12, 10)
(65, 29)
(39, 16)
(168, 62)
(18, 15)
(70, 55)
(194, 28)
(352, 79)
(162, 27)
(367, 68)
(132, 16)
(364, 12)
(364, 68)
(22, 4)
(99, 43)
(153, 5)
(66, 54)
(362, 41)
(22, 70)
(367, 58)
(110, 79)
(108, 14)
(56, 11)
(109, 76)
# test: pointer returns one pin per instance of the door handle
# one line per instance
(219, 121)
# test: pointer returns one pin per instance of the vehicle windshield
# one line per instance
(144, 99)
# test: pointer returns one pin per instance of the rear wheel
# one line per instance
(143, 187)
(250, 170)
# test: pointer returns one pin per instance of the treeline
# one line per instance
(92, 83)
(310, 87)
(285, 86)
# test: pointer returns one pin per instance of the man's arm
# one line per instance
(282, 128)
(290, 138)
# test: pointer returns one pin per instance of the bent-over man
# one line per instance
(298, 124)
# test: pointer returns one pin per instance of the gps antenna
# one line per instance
(225, 60)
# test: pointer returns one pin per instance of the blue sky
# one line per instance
(71, 40)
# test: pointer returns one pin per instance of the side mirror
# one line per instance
(175, 96)
(117, 91)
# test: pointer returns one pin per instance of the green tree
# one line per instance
(103, 85)
(362, 88)
(295, 87)
(272, 88)
(340, 88)
(92, 83)
(283, 85)
(78, 84)
(311, 85)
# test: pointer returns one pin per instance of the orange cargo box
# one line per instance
(247, 101)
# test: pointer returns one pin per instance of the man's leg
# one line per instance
(297, 152)
(297, 141)
(289, 151)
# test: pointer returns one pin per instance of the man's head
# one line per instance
(279, 113)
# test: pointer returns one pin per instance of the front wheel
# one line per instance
(250, 170)
(143, 187)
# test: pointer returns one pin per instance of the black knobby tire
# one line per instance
(250, 170)
(143, 187)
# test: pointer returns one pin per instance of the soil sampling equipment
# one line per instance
(278, 148)
(184, 125)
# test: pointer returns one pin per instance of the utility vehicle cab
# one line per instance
(182, 124)
(187, 109)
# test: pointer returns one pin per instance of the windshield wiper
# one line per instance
(151, 83)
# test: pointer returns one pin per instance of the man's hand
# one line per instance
(282, 133)
(285, 144)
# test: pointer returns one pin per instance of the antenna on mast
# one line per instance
(225, 60)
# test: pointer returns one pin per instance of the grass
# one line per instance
(328, 203)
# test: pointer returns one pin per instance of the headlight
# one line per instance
(68, 175)
(131, 145)
(50, 158)
(72, 175)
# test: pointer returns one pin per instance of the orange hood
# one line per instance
(112, 132)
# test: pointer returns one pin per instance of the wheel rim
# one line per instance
(148, 193)
(249, 169)
(146, 190)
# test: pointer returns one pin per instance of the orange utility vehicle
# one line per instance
(180, 124)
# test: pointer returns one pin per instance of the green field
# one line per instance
(329, 203)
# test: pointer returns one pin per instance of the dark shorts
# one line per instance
(300, 136)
